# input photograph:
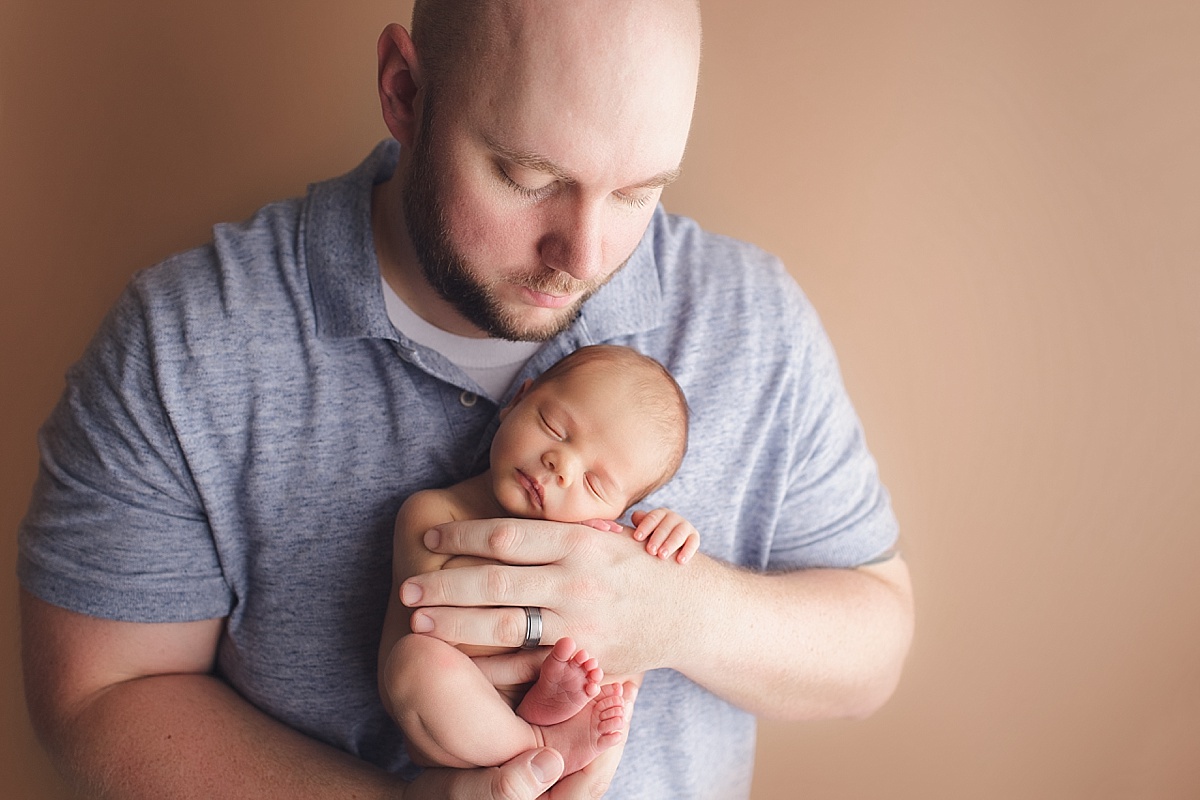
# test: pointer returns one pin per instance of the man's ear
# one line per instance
(521, 392)
(400, 79)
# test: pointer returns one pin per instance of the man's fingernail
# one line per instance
(420, 623)
(410, 594)
(433, 538)
(547, 766)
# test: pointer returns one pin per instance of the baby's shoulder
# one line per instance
(427, 508)
(420, 512)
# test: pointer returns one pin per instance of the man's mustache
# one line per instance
(555, 283)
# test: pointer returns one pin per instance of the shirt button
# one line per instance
(468, 399)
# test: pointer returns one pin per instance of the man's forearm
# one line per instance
(186, 736)
(810, 644)
(130, 710)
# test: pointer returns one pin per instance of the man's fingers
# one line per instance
(523, 778)
(511, 669)
(508, 540)
(480, 585)
(545, 765)
(497, 627)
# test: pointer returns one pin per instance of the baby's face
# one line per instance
(573, 449)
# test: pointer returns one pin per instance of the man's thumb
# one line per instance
(547, 766)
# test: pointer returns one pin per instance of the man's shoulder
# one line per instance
(247, 256)
(727, 281)
(248, 283)
(268, 254)
(680, 237)
(693, 259)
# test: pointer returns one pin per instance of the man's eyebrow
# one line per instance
(659, 181)
(540, 163)
(528, 160)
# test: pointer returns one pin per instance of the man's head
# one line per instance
(592, 436)
(537, 135)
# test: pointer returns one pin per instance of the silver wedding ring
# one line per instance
(533, 628)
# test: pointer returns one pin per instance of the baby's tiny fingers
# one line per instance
(660, 543)
(690, 547)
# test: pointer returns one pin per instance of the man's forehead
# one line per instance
(618, 77)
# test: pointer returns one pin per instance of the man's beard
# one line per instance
(448, 272)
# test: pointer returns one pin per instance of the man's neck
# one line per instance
(398, 263)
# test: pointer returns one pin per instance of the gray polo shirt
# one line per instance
(238, 437)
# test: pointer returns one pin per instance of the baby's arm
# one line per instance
(666, 533)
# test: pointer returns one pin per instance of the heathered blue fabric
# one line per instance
(239, 435)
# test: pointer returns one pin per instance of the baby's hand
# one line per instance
(606, 525)
(665, 534)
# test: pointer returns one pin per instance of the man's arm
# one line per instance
(129, 710)
(807, 644)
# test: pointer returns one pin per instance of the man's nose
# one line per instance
(574, 244)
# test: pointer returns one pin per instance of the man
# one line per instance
(205, 561)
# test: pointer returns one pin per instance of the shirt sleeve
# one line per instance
(116, 528)
(837, 512)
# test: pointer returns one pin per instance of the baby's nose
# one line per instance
(560, 465)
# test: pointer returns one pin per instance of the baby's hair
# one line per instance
(651, 387)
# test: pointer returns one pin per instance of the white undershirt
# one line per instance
(492, 363)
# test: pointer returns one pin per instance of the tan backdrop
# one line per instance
(994, 205)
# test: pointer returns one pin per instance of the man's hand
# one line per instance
(525, 777)
(598, 589)
(512, 674)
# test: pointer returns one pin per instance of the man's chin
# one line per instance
(525, 323)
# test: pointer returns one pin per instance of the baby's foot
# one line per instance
(597, 727)
(568, 680)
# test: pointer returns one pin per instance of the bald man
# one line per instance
(206, 561)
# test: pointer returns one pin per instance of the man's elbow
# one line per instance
(878, 682)
(866, 670)
(871, 698)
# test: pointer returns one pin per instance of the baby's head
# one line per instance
(592, 436)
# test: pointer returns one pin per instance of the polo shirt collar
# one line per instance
(339, 251)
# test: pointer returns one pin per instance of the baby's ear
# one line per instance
(521, 392)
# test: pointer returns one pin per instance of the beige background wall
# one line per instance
(994, 204)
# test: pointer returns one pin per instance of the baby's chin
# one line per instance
(523, 511)
(527, 512)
